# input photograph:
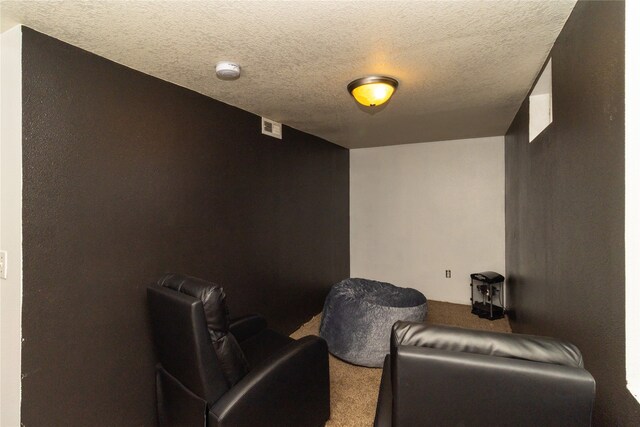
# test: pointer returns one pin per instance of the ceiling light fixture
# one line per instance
(372, 91)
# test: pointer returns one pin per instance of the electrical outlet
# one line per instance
(447, 274)
(3, 264)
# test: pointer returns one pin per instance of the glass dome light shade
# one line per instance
(372, 91)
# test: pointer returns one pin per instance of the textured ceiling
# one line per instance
(464, 66)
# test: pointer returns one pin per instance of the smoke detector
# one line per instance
(226, 70)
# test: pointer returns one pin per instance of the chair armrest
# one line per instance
(247, 326)
(289, 388)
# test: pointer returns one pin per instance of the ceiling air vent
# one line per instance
(271, 128)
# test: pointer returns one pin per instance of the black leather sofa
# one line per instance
(446, 376)
(223, 373)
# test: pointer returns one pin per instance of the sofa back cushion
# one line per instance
(516, 346)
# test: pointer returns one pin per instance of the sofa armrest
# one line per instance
(247, 326)
(289, 388)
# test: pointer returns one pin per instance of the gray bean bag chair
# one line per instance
(358, 315)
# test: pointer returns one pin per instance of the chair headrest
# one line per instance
(211, 295)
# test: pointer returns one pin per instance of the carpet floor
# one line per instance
(354, 389)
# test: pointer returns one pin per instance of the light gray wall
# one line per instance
(11, 225)
(419, 209)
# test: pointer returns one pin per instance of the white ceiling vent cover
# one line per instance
(271, 128)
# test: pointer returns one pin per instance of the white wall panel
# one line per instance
(417, 210)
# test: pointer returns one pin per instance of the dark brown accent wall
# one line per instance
(565, 207)
(127, 177)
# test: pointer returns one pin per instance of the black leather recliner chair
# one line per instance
(446, 376)
(223, 373)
